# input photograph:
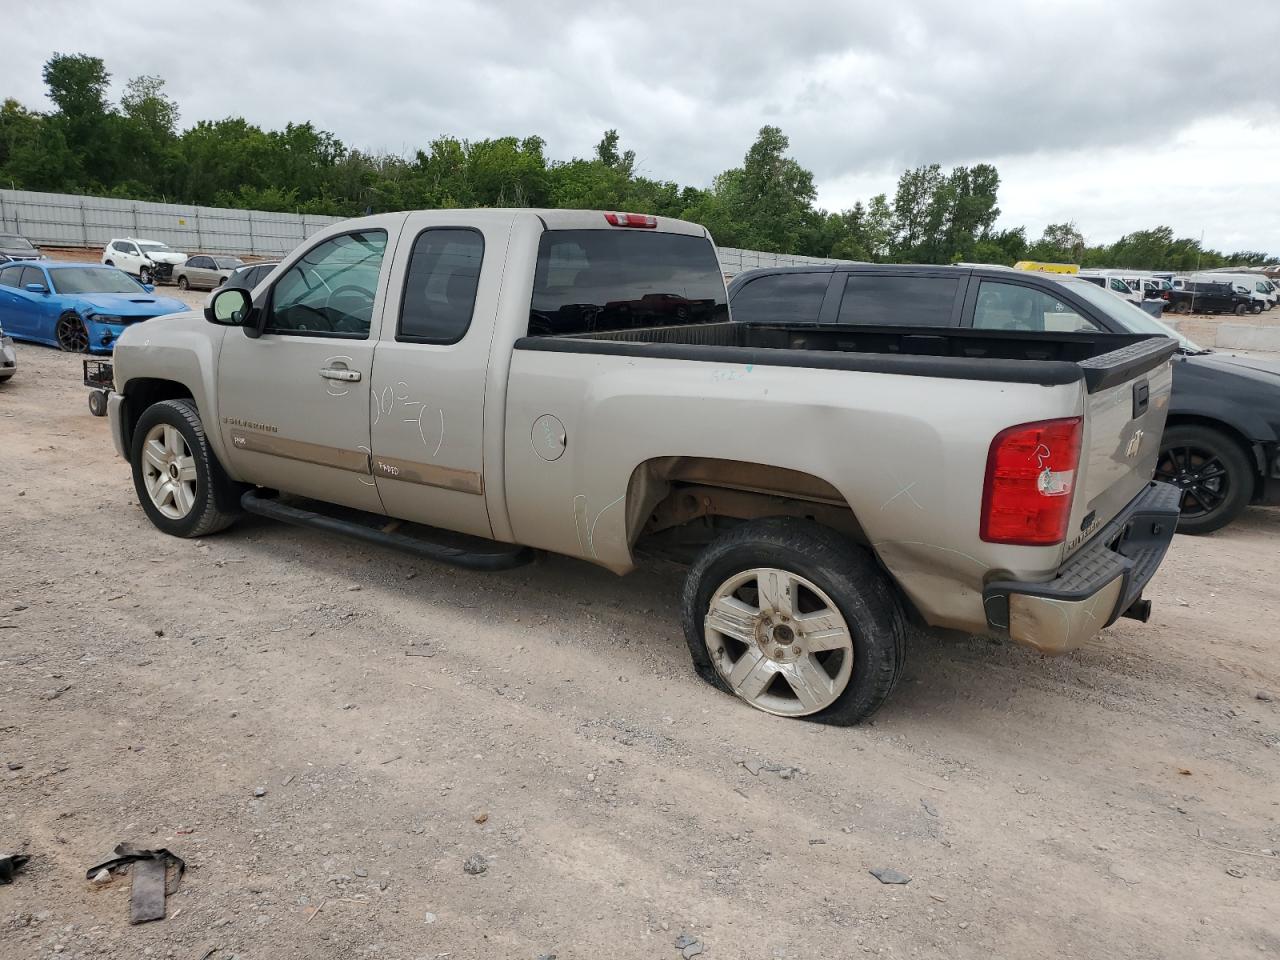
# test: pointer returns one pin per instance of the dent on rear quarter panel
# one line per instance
(907, 453)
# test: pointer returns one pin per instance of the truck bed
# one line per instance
(1100, 359)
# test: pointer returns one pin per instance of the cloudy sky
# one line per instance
(1118, 114)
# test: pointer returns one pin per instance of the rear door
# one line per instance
(429, 373)
(294, 403)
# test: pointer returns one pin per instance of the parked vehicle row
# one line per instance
(1222, 443)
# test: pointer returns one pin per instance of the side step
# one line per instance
(460, 550)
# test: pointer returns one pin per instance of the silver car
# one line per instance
(205, 271)
(8, 357)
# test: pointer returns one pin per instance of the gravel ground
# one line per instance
(1119, 802)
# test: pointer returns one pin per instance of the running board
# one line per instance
(460, 550)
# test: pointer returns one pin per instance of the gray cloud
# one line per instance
(863, 90)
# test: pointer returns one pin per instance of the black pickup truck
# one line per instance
(1221, 443)
(1196, 297)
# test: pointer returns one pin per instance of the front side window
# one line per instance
(1010, 306)
(1119, 286)
(618, 279)
(781, 298)
(896, 300)
(440, 286)
(33, 275)
(128, 248)
(331, 290)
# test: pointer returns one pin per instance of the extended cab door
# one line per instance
(294, 403)
(429, 372)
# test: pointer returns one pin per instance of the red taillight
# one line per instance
(631, 220)
(1031, 474)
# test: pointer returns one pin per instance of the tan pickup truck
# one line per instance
(501, 382)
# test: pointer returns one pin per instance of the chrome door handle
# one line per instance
(340, 373)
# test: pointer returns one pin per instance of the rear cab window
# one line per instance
(598, 281)
(781, 298)
(900, 300)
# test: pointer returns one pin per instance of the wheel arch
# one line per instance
(666, 493)
(142, 392)
(1250, 448)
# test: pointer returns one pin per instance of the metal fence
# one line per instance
(66, 220)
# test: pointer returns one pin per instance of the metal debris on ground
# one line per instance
(11, 863)
(475, 864)
(929, 808)
(889, 875)
(150, 882)
(1264, 695)
(1235, 872)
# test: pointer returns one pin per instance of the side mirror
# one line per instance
(36, 288)
(149, 287)
(229, 308)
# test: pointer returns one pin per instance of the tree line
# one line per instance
(136, 149)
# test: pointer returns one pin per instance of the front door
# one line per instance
(429, 374)
(294, 403)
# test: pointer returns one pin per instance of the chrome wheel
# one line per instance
(169, 471)
(779, 642)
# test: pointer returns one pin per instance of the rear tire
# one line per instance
(183, 283)
(98, 403)
(181, 485)
(791, 598)
(1241, 309)
(1213, 472)
(144, 274)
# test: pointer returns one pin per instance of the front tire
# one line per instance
(1213, 473)
(71, 333)
(795, 620)
(181, 485)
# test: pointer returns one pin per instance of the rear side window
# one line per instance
(9, 276)
(781, 298)
(1011, 306)
(595, 281)
(899, 300)
(440, 286)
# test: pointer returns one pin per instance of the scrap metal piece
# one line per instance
(146, 895)
(149, 878)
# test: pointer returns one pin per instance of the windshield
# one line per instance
(93, 280)
(152, 245)
(1134, 319)
(12, 242)
(226, 263)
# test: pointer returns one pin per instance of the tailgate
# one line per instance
(1126, 403)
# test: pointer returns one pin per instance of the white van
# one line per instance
(1122, 283)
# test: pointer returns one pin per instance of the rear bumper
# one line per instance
(1100, 583)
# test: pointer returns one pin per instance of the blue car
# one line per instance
(80, 307)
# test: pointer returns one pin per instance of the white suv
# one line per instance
(148, 260)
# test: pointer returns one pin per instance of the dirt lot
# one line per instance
(1119, 802)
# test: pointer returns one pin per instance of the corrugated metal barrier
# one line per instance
(67, 220)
